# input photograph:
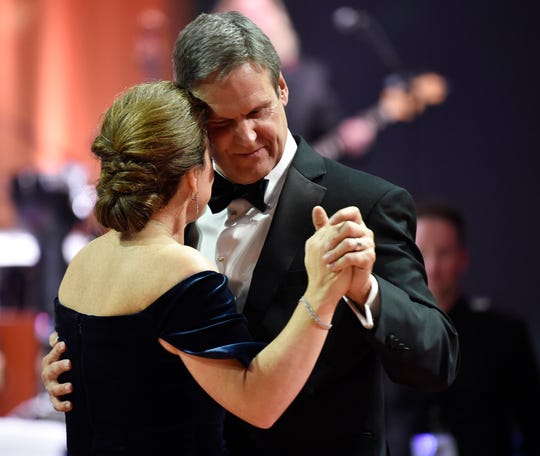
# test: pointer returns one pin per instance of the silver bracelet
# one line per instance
(314, 315)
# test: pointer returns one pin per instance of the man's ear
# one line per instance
(283, 90)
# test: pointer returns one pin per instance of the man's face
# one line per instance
(444, 256)
(247, 124)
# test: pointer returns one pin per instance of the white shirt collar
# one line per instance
(276, 177)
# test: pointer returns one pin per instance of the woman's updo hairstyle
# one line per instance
(150, 136)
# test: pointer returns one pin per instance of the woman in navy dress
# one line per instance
(158, 351)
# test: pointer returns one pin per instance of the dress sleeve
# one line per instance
(198, 317)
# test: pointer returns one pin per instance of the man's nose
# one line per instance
(245, 131)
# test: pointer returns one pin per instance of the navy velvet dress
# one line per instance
(132, 397)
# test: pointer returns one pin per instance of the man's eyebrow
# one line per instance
(213, 116)
(216, 118)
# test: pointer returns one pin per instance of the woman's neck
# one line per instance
(159, 230)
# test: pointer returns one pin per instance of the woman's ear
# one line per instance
(191, 178)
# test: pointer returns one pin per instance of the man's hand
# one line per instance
(51, 368)
(325, 286)
(354, 247)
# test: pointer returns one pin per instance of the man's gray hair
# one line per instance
(215, 44)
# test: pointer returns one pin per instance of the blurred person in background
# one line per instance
(492, 407)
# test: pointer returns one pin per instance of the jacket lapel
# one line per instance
(290, 228)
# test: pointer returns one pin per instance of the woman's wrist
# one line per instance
(314, 315)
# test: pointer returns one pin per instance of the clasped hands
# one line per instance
(348, 243)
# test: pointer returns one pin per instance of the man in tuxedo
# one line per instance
(388, 318)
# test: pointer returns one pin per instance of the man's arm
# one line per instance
(417, 342)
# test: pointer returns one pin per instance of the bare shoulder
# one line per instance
(122, 279)
(84, 258)
(186, 259)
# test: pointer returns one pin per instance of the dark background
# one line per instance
(478, 150)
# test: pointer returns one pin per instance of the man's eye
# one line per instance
(218, 124)
(259, 113)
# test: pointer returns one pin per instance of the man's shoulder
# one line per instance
(338, 169)
(344, 183)
(336, 173)
(482, 311)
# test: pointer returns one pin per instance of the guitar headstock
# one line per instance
(402, 102)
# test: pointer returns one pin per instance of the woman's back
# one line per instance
(132, 396)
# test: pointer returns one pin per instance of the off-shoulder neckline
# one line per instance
(154, 303)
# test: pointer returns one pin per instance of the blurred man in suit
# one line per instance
(491, 409)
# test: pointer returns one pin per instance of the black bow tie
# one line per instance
(224, 191)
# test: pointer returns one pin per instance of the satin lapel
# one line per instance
(290, 228)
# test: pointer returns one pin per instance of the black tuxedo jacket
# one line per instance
(340, 409)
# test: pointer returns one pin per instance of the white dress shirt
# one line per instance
(235, 236)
